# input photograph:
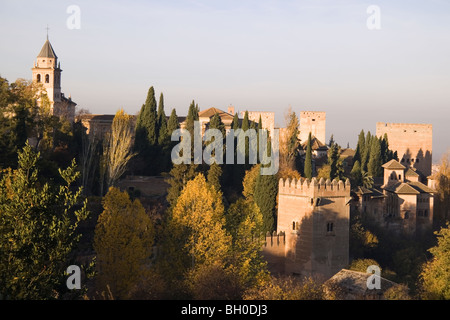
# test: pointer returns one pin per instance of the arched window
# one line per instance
(38, 78)
(293, 225)
(399, 177)
(47, 78)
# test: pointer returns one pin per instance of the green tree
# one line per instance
(245, 122)
(360, 147)
(367, 180)
(214, 176)
(266, 190)
(308, 170)
(179, 175)
(365, 156)
(244, 223)
(38, 230)
(191, 117)
(17, 109)
(333, 160)
(123, 241)
(172, 123)
(375, 159)
(235, 123)
(216, 123)
(435, 276)
(355, 174)
(163, 133)
(146, 123)
(146, 135)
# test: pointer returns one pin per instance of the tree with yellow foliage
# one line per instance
(197, 223)
(245, 225)
(123, 242)
(435, 276)
(442, 186)
(117, 148)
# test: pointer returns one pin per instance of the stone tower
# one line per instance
(413, 143)
(313, 219)
(47, 71)
(314, 122)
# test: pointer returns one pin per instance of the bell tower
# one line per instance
(47, 71)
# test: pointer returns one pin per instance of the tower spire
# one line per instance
(47, 31)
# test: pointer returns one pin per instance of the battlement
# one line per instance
(408, 128)
(313, 188)
(275, 239)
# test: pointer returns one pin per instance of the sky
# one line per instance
(257, 55)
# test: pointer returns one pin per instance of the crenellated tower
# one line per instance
(313, 219)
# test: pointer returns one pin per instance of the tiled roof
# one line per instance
(373, 192)
(411, 173)
(316, 144)
(212, 111)
(419, 186)
(401, 188)
(348, 152)
(47, 51)
(412, 187)
(354, 283)
(393, 165)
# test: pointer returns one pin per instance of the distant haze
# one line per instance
(256, 55)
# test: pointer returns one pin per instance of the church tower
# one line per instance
(47, 72)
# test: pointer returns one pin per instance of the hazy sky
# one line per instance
(256, 55)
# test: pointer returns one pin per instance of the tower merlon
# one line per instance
(313, 188)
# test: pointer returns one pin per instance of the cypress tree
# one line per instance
(163, 134)
(214, 176)
(333, 161)
(245, 122)
(375, 161)
(235, 122)
(216, 123)
(191, 117)
(146, 123)
(172, 123)
(258, 129)
(146, 136)
(266, 190)
(356, 174)
(360, 147)
(366, 154)
(308, 159)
